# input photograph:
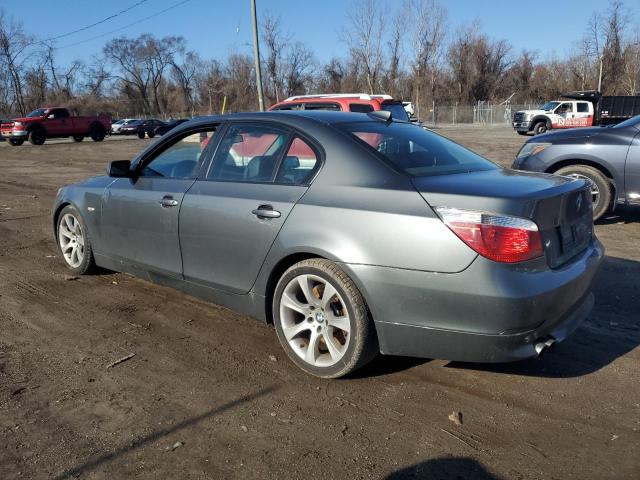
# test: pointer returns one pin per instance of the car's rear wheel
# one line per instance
(151, 134)
(73, 241)
(322, 320)
(78, 138)
(601, 194)
(540, 128)
(16, 142)
(98, 133)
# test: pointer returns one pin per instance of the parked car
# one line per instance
(345, 102)
(118, 124)
(607, 157)
(56, 122)
(142, 127)
(161, 130)
(577, 109)
(351, 233)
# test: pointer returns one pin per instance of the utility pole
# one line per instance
(256, 54)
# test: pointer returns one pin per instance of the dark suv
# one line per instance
(608, 157)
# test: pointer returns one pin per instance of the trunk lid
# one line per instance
(560, 206)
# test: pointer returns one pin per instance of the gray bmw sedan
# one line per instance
(353, 234)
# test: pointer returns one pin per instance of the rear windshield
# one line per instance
(397, 111)
(415, 150)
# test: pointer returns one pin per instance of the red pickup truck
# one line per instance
(54, 122)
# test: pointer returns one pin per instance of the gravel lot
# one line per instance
(210, 394)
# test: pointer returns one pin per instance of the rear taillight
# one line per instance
(497, 237)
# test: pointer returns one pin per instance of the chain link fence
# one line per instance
(483, 113)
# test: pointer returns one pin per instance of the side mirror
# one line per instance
(119, 169)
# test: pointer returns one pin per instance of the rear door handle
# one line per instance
(266, 211)
(168, 201)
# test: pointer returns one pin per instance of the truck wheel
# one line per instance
(540, 128)
(16, 142)
(140, 134)
(97, 133)
(601, 193)
(322, 321)
(37, 136)
(78, 138)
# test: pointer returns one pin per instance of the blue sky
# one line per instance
(216, 27)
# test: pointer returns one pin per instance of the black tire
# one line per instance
(362, 345)
(88, 264)
(141, 135)
(540, 128)
(37, 136)
(602, 193)
(97, 133)
(16, 142)
(78, 138)
(151, 134)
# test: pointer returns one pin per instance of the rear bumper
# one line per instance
(488, 313)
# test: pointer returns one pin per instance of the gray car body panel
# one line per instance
(615, 150)
(415, 274)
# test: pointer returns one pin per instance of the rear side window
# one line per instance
(583, 107)
(322, 106)
(360, 107)
(290, 106)
(299, 163)
(248, 153)
(416, 151)
(397, 111)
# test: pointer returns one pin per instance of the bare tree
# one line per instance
(364, 36)
(275, 42)
(15, 50)
(184, 73)
(430, 22)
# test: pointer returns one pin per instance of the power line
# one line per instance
(94, 24)
(125, 27)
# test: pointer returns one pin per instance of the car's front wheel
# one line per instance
(540, 128)
(601, 194)
(73, 241)
(322, 320)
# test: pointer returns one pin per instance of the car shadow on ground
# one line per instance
(92, 463)
(621, 214)
(611, 330)
(451, 468)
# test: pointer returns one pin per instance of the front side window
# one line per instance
(181, 158)
(564, 108)
(248, 153)
(299, 164)
(415, 150)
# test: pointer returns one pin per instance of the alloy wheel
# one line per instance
(593, 188)
(71, 240)
(315, 320)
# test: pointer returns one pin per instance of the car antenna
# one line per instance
(381, 115)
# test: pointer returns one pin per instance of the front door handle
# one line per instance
(266, 211)
(168, 201)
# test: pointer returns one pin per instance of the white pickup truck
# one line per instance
(556, 114)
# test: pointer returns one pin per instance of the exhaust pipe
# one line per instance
(543, 345)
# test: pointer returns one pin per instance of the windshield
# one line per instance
(415, 150)
(547, 107)
(631, 122)
(397, 111)
(37, 113)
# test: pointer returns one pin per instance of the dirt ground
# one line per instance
(209, 393)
